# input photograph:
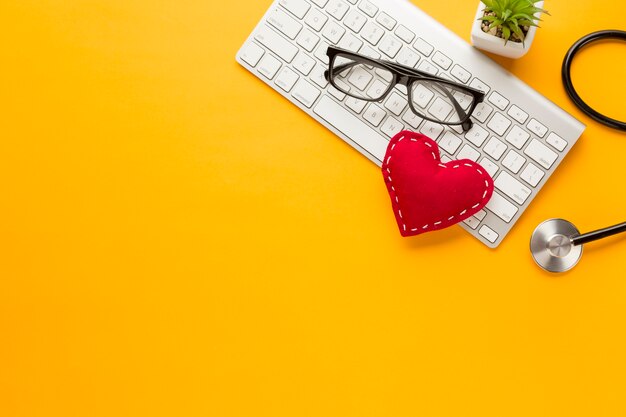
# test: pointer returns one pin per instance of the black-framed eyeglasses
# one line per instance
(432, 98)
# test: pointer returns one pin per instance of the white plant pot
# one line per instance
(495, 44)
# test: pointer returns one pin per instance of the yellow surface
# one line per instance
(178, 240)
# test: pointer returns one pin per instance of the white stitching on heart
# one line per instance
(437, 223)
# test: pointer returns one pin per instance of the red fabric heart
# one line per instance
(427, 194)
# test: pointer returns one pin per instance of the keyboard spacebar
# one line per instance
(344, 121)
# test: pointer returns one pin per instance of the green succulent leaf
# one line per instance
(495, 23)
(488, 18)
(520, 34)
(506, 33)
(525, 16)
(527, 23)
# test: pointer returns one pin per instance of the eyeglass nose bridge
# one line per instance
(403, 80)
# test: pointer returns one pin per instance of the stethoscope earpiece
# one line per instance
(556, 244)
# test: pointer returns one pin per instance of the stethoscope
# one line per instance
(556, 244)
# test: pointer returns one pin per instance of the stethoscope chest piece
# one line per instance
(552, 247)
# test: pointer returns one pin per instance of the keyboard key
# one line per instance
(386, 21)
(390, 46)
(537, 128)
(303, 63)
(460, 74)
(286, 79)
(440, 109)
(518, 114)
(499, 124)
(355, 21)
(350, 42)
(374, 114)
(407, 57)
(287, 25)
(480, 215)
(488, 234)
(532, 174)
(472, 222)
(412, 119)
(377, 89)
(355, 104)
(423, 47)
(556, 142)
(482, 112)
(442, 60)
(296, 7)
(360, 78)
(457, 128)
(320, 3)
(391, 127)
(450, 143)
(305, 93)
(339, 95)
(495, 148)
(513, 161)
(431, 129)
(384, 75)
(467, 152)
(368, 8)
(369, 52)
(345, 122)
(479, 85)
(341, 84)
(464, 100)
(541, 154)
(317, 76)
(320, 52)
(517, 137)
(276, 43)
(477, 135)
(252, 53)
(372, 33)
(316, 20)
(512, 188)
(308, 40)
(269, 66)
(501, 207)
(489, 166)
(498, 100)
(427, 67)
(405, 34)
(333, 32)
(422, 96)
(337, 8)
(396, 103)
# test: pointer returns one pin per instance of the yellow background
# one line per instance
(179, 240)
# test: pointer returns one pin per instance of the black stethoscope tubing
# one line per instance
(567, 79)
(598, 234)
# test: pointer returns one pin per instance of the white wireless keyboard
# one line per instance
(519, 136)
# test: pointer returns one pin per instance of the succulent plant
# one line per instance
(511, 16)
